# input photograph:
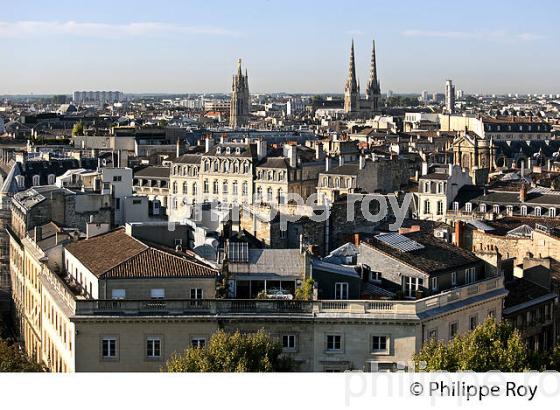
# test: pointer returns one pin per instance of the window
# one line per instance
(432, 334)
(245, 191)
(216, 187)
(289, 342)
(118, 294)
(468, 207)
(440, 207)
(157, 293)
(375, 276)
(496, 209)
(453, 327)
(492, 314)
(225, 187)
(198, 342)
(334, 343)
(426, 206)
(206, 188)
(117, 203)
(341, 290)
(524, 210)
(453, 278)
(379, 344)
(117, 178)
(234, 188)
(483, 208)
(153, 347)
(552, 212)
(36, 180)
(434, 285)
(411, 285)
(269, 194)
(538, 211)
(470, 275)
(196, 293)
(109, 347)
(455, 206)
(473, 321)
(51, 179)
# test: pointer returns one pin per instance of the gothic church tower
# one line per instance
(351, 88)
(240, 99)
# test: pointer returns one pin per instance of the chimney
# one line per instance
(37, 233)
(327, 159)
(523, 192)
(223, 138)
(178, 152)
(522, 169)
(424, 168)
(458, 233)
(340, 160)
(549, 165)
(291, 153)
(208, 143)
(362, 161)
(450, 169)
(318, 150)
(118, 159)
(357, 239)
(261, 149)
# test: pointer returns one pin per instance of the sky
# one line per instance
(172, 46)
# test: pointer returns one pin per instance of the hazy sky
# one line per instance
(177, 46)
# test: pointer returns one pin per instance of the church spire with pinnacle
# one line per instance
(351, 92)
(373, 89)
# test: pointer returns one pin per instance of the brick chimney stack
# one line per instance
(523, 192)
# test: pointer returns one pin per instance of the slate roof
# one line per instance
(435, 175)
(271, 262)
(522, 291)
(435, 257)
(274, 163)
(153, 172)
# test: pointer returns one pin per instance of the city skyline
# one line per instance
(292, 48)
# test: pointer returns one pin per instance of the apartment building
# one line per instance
(114, 303)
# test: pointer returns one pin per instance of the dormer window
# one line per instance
(218, 150)
(524, 210)
(468, 207)
(483, 208)
(538, 211)
(36, 180)
(552, 212)
(228, 150)
(496, 209)
(238, 150)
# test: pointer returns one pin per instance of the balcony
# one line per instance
(318, 308)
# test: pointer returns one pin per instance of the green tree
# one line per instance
(78, 129)
(305, 291)
(490, 346)
(236, 352)
(12, 360)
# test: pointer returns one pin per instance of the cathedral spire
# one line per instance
(351, 82)
(373, 82)
(351, 91)
(373, 89)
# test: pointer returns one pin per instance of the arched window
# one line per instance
(36, 180)
(269, 194)
(174, 187)
(216, 188)
(194, 189)
(524, 210)
(51, 179)
(185, 188)
(259, 193)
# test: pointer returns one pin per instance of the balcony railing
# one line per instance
(256, 306)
